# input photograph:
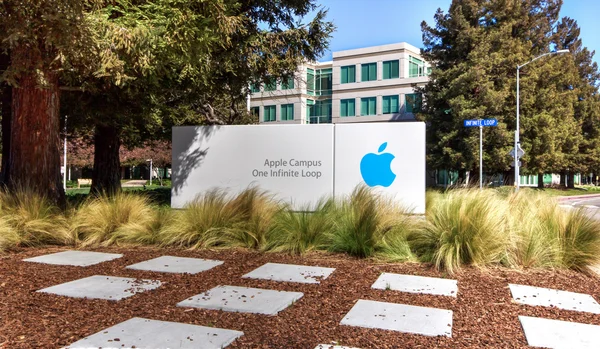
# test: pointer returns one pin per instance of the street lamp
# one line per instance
(150, 170)
(517, 143)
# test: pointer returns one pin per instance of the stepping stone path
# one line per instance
(559, 334)
(243, 299)
(170, 264)
(290, 273)
(146, 333)
(75, 258)
(102, 287)
(400, 317)
(416, 284)
(546, 297)
(331, 346)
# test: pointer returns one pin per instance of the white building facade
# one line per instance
(372, 84)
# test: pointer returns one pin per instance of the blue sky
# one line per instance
(362, 23)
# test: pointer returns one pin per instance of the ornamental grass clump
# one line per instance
(30, 219)
(579, 241)
(367, 224)
(304, 230)
(216, 220)
(122, 218)
(463, 227)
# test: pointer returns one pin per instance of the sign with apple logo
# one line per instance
(375, 169)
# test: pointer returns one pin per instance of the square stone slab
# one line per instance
(171, 264)
(146, 333)
(103, 287)
(546, 297)
(76, 258)
(243, 299)
(416, 284)
(290, 273)
(559, 334)
(332, 346)
(400, 317)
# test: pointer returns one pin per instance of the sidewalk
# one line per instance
(578, 197)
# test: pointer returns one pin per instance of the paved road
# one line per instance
(590, 205)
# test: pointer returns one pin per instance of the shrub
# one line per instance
(463, 227)
(104, 220)
(298, 232)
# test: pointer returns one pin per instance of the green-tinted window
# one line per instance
(413, 102)
(348, 74)
(416, 67)
(347, 107)
(310, 82)
(271, 86)
(287, 112)
(255, 88)
(389, 104)
(324, 82)
(368, 72)
(368, 106)
(287, 84)
(318, 112)
(391, 69)
(269, 113)
(254, 111)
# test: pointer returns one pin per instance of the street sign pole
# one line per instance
(480, 157)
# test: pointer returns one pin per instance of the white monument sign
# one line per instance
(301, 163)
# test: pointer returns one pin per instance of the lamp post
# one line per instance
(150, 170)
(517, 140)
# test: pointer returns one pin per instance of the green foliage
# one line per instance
(299, 232)
(367, 223)
(476, 47)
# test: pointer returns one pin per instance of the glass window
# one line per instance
(310, 82)
(319, 112)
(269, 113)
(416, 67)
(413, 102)
(348, 74)
(368, 72)
(287, 112)
(389, 104)
(368, 106)
(324, 82)
(347, 107)
(287, 84)
(391, 69)
(255, 88)
(254, 111)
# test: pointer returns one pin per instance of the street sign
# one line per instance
(479, 122)
(520, 152)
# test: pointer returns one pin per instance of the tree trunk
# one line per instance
(571, 180)
(563, 178)
(540, 180)
(6, 101)
(6, 118)
(34, 156)
(106, 177)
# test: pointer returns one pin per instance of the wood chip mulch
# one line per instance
(483, 313)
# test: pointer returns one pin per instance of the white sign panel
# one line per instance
(301, 163)
(295, 162)
(389, 157)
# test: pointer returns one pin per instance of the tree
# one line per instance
(44, 38)
(189, 63)
(476, 48)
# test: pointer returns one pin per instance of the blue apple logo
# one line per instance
(375, 169)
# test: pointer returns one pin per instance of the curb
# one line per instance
(586, 196)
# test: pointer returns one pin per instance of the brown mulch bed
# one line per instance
(484, 315)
